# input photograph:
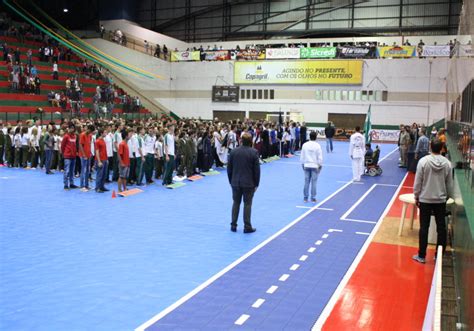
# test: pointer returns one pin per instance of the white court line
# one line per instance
(242, 319)
(325, 165)
(354, 206)
(363, 233)
(328, 209)
(304, 207)
(351, 182)
(303, 257)
(258, 303)
(272, 289)
(357, 221)
(334, 230)
(318, 325)
(319, 242)
(311, 249)
(198, 289)
(294, 267)
(284, 277)
(325, 236)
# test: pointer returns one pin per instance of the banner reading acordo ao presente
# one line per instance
(348, 72)
(396, 51)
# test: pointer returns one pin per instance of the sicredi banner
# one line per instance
(282, 53)
(438, 51)
(317, 52)
(396, 51)
(185, 56)
(344, 72)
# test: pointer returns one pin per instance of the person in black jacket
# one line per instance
(243, 170)
(329, 131)
(303, 134)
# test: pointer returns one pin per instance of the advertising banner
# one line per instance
(438, 51)
(185, 56)
(396, 51)
(353, 52)
(282, 53)
(250, 54)
(465, 50)
(385, 135)
(317, 52)
(335, 72)
(216, 55)
(225, 93)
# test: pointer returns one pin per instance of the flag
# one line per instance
(367, 127)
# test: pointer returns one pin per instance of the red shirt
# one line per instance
(68, 146)
(85, 141)
(101, 149)
(123, 152)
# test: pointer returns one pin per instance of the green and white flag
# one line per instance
(367, 127)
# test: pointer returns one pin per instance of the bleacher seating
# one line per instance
(19, 102)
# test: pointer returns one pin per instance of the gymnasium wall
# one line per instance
(186, 89)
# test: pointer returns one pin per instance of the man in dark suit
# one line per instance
(243, 170)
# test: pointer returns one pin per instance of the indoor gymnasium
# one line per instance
(236, 165)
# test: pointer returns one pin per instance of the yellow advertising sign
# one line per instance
(185, 56)
(346, 72)
(396, 51)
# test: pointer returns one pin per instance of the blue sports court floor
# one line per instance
(83, 261)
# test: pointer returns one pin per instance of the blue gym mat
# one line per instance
(84, 261)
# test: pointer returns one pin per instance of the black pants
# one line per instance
(115, 167)
(439, 211)
(247, 194)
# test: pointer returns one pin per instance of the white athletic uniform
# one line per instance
(357, 153)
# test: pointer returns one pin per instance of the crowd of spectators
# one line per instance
(199, 145)
(414, 143)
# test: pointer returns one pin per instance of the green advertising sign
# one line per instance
(317, 52)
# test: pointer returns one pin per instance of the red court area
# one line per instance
(388, 291)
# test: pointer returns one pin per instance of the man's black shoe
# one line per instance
(105, 189)
(73, 186)
(233, 228)
(99, 191)
(250, 230)
(66, 187)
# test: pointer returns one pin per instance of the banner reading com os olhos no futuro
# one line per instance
(347, 72)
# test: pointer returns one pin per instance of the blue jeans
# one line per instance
(85, 171)
(100, 175)
(47, 163)
(69, 171)
(310, 175)
(328, 144)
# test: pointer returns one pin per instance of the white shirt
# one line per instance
(117, 139)
(311, 155)
(357, 146)
(131, 147)
(149, 144)
(169, 143)
(93, 139)
(55, 67)
(109, 144)
(158, 149)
